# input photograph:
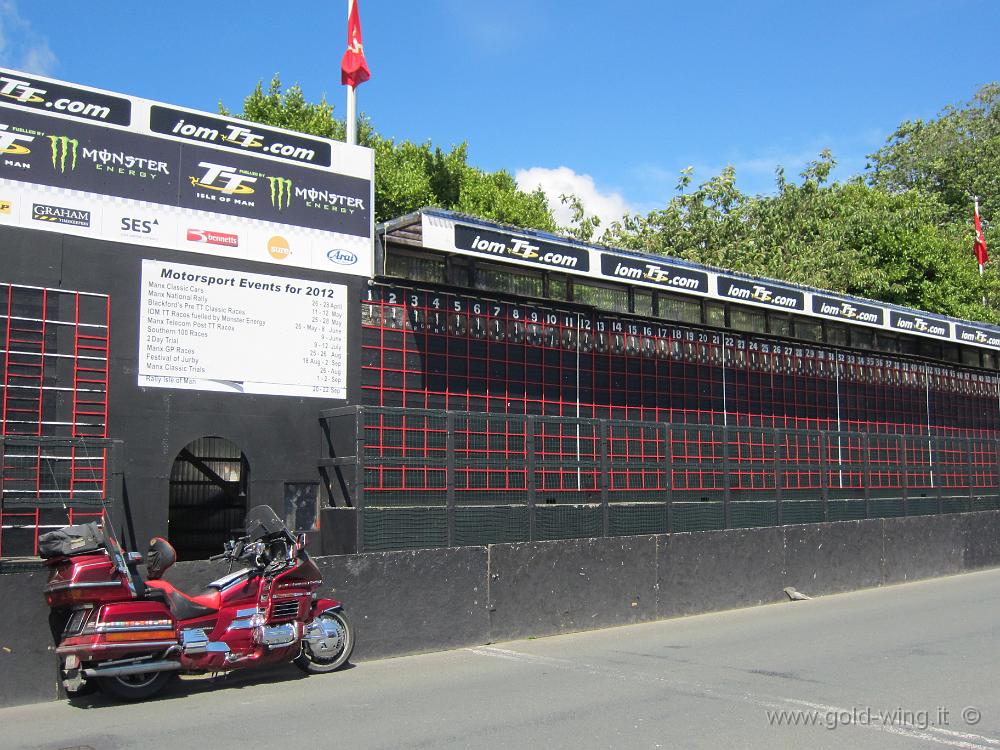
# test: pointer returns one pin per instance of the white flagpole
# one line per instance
(352, 101)
(977, 238)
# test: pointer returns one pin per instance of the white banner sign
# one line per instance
(214, 329)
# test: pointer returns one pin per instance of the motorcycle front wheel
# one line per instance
(134, 687)
(337, 648)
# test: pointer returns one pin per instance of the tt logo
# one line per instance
(20, 91)
(242, 137)
(9, 142)
(231, 183)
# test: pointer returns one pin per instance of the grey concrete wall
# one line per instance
(425, 600)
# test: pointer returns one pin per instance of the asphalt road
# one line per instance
(905, 666)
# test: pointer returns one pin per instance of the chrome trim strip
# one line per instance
(131, 628)
(249, 612)
(240, 625)
(90, 585)
(104, 646)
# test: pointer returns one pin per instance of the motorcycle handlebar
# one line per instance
(220, 556)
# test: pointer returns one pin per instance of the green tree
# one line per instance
(408, 175)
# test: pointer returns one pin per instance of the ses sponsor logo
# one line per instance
(342, 257)
(90, 105)
(198, 127)
(139, 226)
(277, 248)
(209, 237)
(60, 215)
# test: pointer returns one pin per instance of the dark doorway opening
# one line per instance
(208, 496)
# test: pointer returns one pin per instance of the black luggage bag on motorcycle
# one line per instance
(81, 539)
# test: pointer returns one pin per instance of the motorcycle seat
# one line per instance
(185, 607)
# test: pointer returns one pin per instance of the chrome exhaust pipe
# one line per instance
(127, 669)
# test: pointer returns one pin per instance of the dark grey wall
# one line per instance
(426, 600)
(279, 435)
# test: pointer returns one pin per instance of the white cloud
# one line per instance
(607, 206)
(22, 47)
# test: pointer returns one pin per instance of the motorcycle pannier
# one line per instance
(71, 540)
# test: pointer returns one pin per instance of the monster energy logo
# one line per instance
(63, 147)
(281, 192)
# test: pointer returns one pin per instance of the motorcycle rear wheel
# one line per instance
(134, 687)
(311, 663)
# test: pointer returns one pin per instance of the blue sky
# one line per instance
(609, 100)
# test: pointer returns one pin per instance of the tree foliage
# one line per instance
(900, 233)
(408, 175)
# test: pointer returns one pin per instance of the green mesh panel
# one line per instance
(700, 516)
(986, 503)
(804, 511)
(494, 524)
(628, 519)
(922, 506)
(567, 521)
(846, 510)
(746, 514)
(887, 508)
(955, 505)
(405, 528)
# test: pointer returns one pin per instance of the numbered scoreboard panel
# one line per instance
(425, 348)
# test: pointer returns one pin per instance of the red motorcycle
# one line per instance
(130, 634)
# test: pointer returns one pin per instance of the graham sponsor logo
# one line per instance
(209, 237)
(665, 275)
(244, 137)
(277, 247)
(63, 99)
(754, 292)
(59, 215)
(64, 151)
(226, 182)
(918, 324)
(342, 257)
(521, 248)
(13, 143)
(836, 308)
(978, 336)
(122, 163)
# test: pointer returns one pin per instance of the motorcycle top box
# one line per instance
(129, 634)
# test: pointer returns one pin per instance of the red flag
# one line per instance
(353, 68)
(980, 245)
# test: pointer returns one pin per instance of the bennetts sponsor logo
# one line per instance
(247, 137)
(59, 215)
(209, 237)
(25, 91)
(521, 248)
(839, 308)
(762, 294)
(662, 274)
(918, 324)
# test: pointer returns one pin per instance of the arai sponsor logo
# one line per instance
(277, 247)
(60, 215)
(342, 257)
(213, 238)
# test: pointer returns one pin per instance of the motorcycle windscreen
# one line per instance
(263, 522)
